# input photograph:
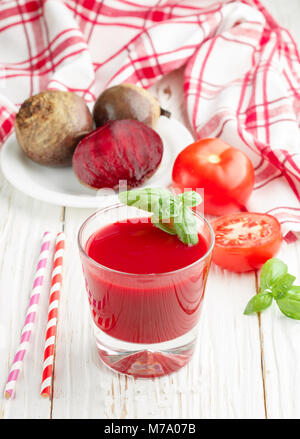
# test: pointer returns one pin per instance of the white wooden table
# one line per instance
(244, 367)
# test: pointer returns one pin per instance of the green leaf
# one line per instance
(271, 270)
(186, 226)
(258, 303)
(277, 283)
(166, 206)
(289, 304)
(190, 198)
(162, 226)
(157, 200)
(282, 285)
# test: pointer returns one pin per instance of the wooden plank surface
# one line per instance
(243, 366)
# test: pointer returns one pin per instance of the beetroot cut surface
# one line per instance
(119, 150)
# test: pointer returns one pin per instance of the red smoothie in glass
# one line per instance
(145, 309)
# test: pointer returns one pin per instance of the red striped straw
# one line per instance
(56, 283)
(18, 362)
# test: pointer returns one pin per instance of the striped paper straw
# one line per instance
(56, 284)
(18, 362)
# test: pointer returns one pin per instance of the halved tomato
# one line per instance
(245, 241)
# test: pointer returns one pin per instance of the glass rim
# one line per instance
(112, 270)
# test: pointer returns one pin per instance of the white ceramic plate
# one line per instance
(60, 186)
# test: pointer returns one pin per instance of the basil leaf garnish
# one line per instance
(166, 206)
(190, 198)
(186, 226)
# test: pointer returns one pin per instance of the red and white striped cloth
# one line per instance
(241, 77)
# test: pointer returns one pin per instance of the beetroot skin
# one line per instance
(119, 150)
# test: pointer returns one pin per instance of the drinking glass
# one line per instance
(146, 325)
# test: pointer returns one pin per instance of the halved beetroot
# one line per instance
(119, 150)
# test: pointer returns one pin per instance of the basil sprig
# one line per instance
(276, 283)
(171, 213)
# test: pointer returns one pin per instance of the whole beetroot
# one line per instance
(49, 126)
(126, 101)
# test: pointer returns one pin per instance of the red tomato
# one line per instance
(245, 241)
(225, 173)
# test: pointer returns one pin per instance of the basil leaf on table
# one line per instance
(276, 283)
(289, 304)
(271, 270)
(258, 303)
(282, 285)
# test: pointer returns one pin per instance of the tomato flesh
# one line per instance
(225, 173)
(245, 241)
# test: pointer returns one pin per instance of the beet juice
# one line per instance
(145, 289)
